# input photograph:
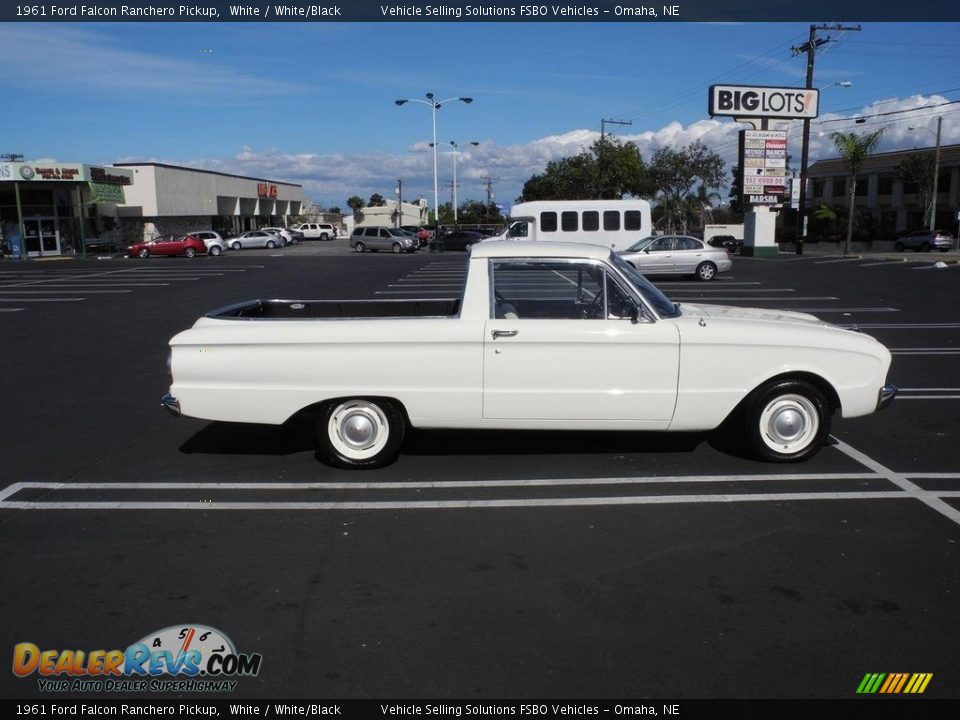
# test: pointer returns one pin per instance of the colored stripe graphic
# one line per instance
(894, 683)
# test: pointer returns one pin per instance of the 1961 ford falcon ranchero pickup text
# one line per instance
(546, 336)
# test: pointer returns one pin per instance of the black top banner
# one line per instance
(640, 11)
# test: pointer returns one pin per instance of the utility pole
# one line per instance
(600, 160)
(936, 178)
(810, 48)
(488, 181)
(399, 202)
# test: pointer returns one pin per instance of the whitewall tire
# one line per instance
(360, 433)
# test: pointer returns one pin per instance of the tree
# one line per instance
(356, 204)
(916, 173)
(736, 195)
(335, 210)
(854, 149)
(376, 200)
(610, 169)
(687, 180)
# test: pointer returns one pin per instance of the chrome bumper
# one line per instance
(171, 404)
(886, 396)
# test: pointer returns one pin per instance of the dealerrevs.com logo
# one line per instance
(180, 658)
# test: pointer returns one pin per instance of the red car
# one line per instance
(171, 244)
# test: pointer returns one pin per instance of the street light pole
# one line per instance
(936, 173)
(434, 105)
(456, 151)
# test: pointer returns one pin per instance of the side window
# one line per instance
(611, 220)
(569, 221)
(371, 232)
(662, 244)
(518, 230)
(632, 220)
(619, 303)
(548, 221)
(548, 290)
(591, 221)
(688, 244)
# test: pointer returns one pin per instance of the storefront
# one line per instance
(56, 208)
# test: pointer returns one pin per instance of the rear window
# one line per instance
(548, 221)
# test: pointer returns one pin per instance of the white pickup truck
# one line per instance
(545, 336)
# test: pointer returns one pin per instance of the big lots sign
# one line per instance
(758, 101)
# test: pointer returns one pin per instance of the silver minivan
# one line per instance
(382, 238)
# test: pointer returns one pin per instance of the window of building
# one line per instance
(862, 186)
(569, 221)
(818, 188)
(611, 219)
(885, 185)
(943, 183)
(591, 221)
(548, 221)
(840, 187)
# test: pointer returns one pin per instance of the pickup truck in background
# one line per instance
(555, 336)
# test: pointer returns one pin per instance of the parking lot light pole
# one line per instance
(434, 105)
(936, 172)
(456, 151)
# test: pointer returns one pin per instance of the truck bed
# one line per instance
(332, 309)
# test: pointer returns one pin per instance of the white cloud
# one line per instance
(334, 177)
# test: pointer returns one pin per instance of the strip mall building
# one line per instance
(61, 208)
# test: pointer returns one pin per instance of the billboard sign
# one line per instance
(759, 101)
(763, 166)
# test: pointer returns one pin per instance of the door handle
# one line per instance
(504, 333)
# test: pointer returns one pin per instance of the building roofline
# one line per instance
(880, 157)
(208, 172)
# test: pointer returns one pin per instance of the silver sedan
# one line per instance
(254, 239)
(677, 255)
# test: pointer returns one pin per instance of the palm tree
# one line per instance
(854, 149)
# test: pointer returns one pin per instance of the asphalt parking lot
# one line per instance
(480, 564)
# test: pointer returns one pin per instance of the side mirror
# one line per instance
(646, 250)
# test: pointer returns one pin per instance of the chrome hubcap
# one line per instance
(358, 430)
(789, 423)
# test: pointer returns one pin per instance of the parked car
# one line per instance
(211, 239)
(423, 235)
(382, 238)
(727, 242)
(318, 231)
(461, 239)
(545, 336)
(255, 239)
(169, 244)
(924, 241)
(677, 255)
(289, 237)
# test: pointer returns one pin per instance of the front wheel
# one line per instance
(324, 237)
(143, 252)
(214, 250)
(706, 271)
(271, 244)
(359, 247)
(925, 247)
(397, 248)
(787, 421)
(236, 246)
(190, 252)
(359, 433)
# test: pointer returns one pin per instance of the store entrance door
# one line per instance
(41, 237)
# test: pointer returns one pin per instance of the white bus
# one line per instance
(616, 224)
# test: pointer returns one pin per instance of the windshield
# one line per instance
(640, 244)
(656, 299)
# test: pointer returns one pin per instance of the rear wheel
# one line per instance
(190, 252)
(397, 248)
(271, 244)
(706, 271)
(898, 247)
(787, 421)
(214, 250)
(360, 247)
(236, 246)
(360, 433)
(324, 236)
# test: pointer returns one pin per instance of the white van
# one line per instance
(616, 224)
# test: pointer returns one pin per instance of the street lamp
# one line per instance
(805, 156)
(434, 105)
(456, 151)
(936, 171)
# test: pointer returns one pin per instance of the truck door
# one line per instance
(559, 346)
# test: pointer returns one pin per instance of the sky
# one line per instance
(313, 103)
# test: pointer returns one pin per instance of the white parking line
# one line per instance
(925, 351)
(843, 310)
(11, 309)
(837, 260)
(901, 481)
(883, 262)
(932, 267)
(907, 326)
(54, 291)
(692, 298)
(19, 300)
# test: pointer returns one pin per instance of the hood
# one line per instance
(739, 313)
